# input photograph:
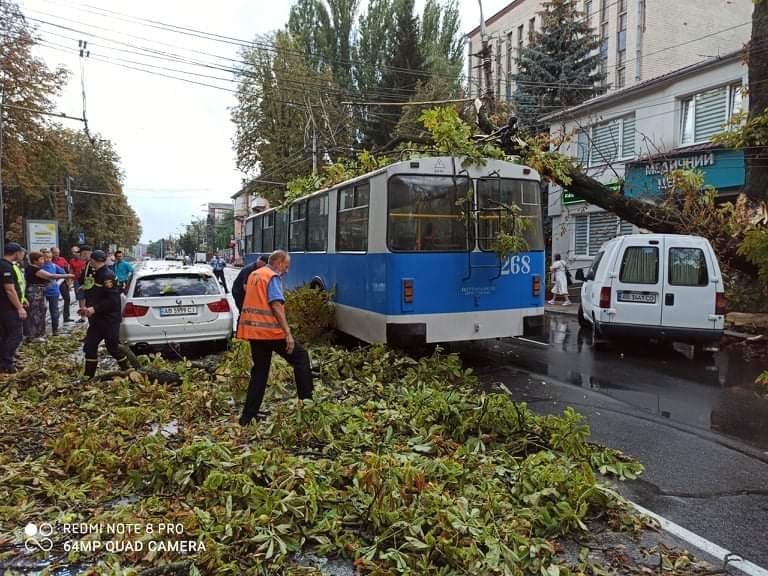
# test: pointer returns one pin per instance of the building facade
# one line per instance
(640, 39)
(637, 136)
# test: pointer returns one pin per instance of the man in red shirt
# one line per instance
(64, 287)
(76, 266)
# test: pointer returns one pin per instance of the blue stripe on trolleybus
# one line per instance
(373, 282)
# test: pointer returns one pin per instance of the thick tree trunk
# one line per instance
(651, 217)
(756, 158)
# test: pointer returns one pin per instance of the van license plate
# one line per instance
(178, 310)
(637, 297)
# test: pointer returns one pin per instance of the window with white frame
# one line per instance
(510, 57)
(703, 115)
(592, 230)
(606, 142)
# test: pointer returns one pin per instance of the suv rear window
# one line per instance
(687, 267)
(640, 265)
(175, 285)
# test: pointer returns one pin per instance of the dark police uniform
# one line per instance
(104, 298)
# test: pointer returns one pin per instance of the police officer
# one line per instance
(102, 307)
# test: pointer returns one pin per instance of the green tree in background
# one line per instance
(325, 30)
(559, 68)
(405, 67)
(192, 239)
(39, 156)
(223, 231)
(27, 84)
(282, 100)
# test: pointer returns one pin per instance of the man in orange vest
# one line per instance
(264, 324)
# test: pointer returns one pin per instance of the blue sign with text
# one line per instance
(722, 169)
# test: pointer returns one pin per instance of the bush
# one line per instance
(311, 315)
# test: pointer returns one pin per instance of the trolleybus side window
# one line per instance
(493, 194)
(268, 232)
(426, 213)
(255, 232)
(352, 218)
(317, 223)
(281, 230)
(297, 232)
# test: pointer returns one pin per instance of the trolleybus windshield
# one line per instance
(493, 194)
(426, 213)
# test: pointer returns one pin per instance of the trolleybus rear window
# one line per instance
(426, 213)
(495, 193)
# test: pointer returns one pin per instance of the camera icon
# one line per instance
(38, 537)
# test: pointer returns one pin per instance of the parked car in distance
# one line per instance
(168, 303)
(654, 286)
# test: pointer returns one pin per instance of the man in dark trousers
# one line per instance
(238, 286)
(12, 311)
(264, 324)
(102, 307)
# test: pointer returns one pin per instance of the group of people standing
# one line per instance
(33, 286)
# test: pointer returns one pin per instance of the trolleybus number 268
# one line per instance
(520, 264)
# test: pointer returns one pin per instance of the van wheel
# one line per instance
(582, 320)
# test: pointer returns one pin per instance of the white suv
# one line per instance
(170, 303)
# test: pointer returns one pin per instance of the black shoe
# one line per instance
(68, 320)
(8, 370)
(81, 321)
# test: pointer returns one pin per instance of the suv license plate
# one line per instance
(637, 297)
(178, 310)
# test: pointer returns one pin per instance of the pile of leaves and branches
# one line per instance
(311, 315)
(397, 465)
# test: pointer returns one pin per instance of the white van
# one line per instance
(662, 286)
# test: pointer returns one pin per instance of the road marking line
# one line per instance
(531, 341)
(703, 544)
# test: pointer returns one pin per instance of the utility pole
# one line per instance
(486, 56)
(2, 202)
(314, 150)
(69, 203)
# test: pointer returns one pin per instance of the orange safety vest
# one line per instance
(257, 321)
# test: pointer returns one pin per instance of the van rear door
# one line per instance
(637, 282)
(691, 282)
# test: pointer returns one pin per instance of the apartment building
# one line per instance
(639, 134)
(640, 39)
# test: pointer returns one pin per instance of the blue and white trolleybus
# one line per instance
(408, 250)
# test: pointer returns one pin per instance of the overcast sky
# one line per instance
(174, 138)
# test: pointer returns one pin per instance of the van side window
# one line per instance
(687, 267)
(640, 265)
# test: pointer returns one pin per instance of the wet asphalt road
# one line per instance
(696, 424)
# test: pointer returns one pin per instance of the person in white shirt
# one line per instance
(559, 280)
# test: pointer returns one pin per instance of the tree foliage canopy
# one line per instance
(559, 68)
(293, 81)
(39, 155)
